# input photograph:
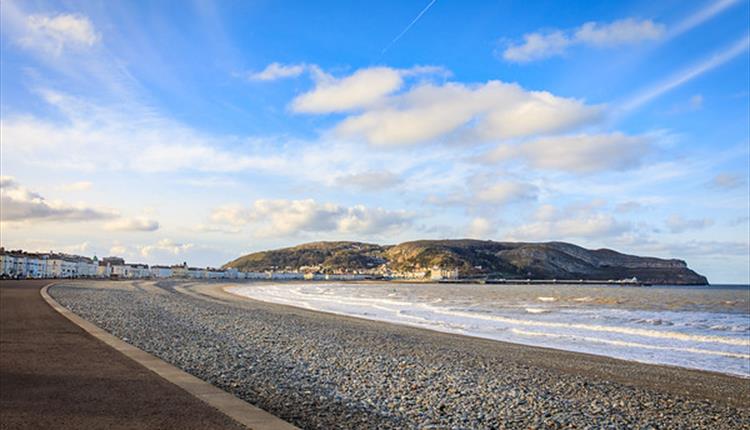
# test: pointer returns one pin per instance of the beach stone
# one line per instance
(329, 372)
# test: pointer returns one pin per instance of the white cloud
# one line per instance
(76, 248)
(275, 71)
(363, 88)
(678, 224)
(231, 214)
(623, 32)
(273, 218)
(132, 224)
(363, 220)
(20, 204)
(581, 153)
(506, 192)
(483, 191)
(581, 222)
(490, 111)
(370, 180)
(93, 137)
(481, 228)
(118, 249)
(54, 33)
(537, 46)
(76, 186)
(208, 228)
(286, 217)
(165, 246)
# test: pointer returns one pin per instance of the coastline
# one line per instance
(409, 307)
(321, 370)
(716, 386)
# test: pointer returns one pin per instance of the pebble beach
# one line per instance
(323, 371)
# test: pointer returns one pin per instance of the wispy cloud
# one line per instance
(77, 186)
(408, 27)
(285, 218)
(132, 224)
(688, 74)
(575, 221)
(679, 224)
(19, 204)
(165, 246)
(371, 180)
(583, 153)
(727, 181)
(541, 45)
(54, 33)
(275, 71)
(699, 17)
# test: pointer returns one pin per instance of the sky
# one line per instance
(199, 131)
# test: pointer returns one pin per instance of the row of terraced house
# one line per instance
(19, 264)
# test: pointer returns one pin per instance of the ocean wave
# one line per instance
(638, 345)
(671, 335)
(678, 338)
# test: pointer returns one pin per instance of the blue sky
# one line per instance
(197, 131)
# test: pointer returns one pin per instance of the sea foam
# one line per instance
(716, 340)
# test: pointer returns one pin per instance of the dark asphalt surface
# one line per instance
(55, 375)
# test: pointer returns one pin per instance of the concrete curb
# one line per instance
(244, 413)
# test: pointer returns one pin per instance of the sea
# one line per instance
(699, 327)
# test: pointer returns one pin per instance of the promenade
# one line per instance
(55, 375)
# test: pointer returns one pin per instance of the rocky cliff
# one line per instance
(475, 258)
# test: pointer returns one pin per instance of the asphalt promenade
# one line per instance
(55, 375)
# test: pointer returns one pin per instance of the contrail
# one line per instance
(686, 75)
(700, 17)
(411, 24)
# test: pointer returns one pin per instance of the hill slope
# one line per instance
(510, 260)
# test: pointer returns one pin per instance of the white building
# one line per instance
(214, 274)
(131, 271)
(286, 276)
(161, 272)
(196, 273)
(69, 268)
(86, 267)
(438, 273)
(13, 264)
(36, 266)
(140, 271)
(344, 277)
(104, 270)
(6, 263)
(234, 274)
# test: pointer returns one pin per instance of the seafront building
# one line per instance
(20, 264)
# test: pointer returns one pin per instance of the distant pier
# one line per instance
(624, 282)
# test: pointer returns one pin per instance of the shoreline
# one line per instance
(321, 370)
(406, 323)
(681, 384)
